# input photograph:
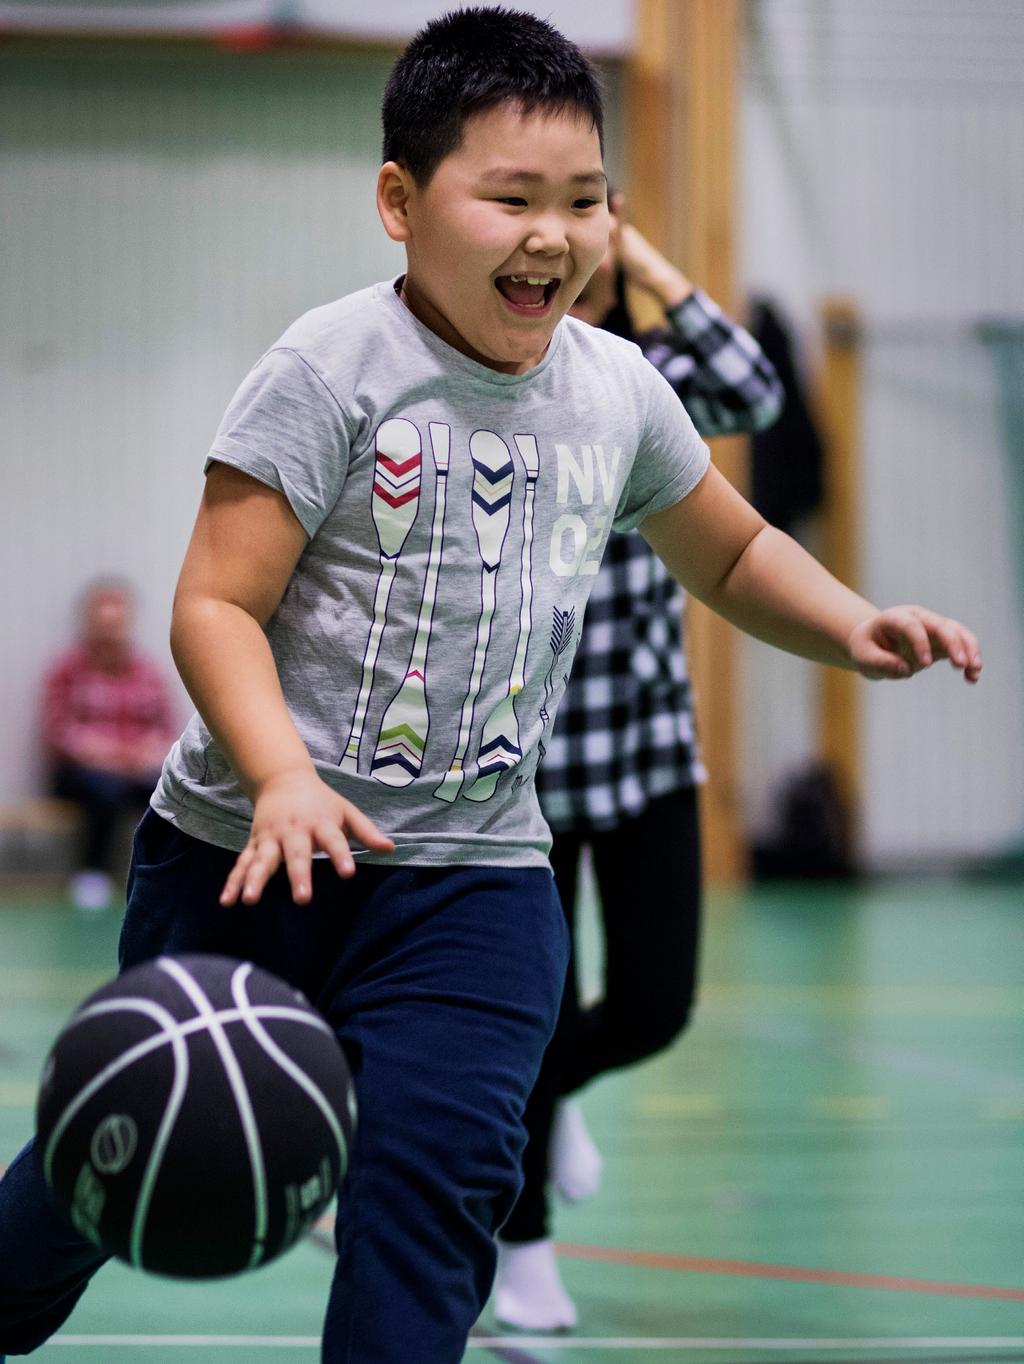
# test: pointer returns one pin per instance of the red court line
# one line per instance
(751, 1269)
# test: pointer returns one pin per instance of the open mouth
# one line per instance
(529, 295)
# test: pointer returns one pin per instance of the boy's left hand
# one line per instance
(904, 640)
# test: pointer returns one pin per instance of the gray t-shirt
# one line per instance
(456, 520)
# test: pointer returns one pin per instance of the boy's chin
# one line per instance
(527, 346)
(522, 358)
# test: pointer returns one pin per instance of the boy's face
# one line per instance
(523, 198)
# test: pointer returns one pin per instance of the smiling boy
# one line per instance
(478, 280)
(405, 507)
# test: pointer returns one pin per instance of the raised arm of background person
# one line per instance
(715, 367)
(761, 580)
(244, 548)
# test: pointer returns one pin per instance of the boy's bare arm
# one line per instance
(726, 554)
(244, 548)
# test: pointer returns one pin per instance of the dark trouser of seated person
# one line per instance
(103, 799)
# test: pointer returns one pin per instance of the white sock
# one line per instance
(91, 889)
(528, 1290)
(576, 1162)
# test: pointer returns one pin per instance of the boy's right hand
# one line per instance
(296, 814)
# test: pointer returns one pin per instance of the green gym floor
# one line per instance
(829, 1166)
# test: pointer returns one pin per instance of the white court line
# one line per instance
(227, 1342)
(751, 1343)
(768, 1343)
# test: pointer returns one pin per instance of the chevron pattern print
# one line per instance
(493, 478)
(398, 759)
(397, 474)
(500, 746)
(394, 502)
(563, 628)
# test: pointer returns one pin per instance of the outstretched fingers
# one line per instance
(331, 840)
(904, 640)
(291, 841)
(912, 638)
(363, 829)
(298, 860)
(892, 644)
(955, 642)
(256, 864)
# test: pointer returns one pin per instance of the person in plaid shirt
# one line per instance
(108, 721)
(619, 777)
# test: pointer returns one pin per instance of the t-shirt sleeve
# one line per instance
(671, 458)
(285, 428)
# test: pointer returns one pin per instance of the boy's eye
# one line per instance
(517, 201)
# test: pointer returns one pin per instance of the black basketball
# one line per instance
(195, 1116)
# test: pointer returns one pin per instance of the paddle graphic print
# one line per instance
(398, 759)
(500, 748)
(563, 628)
(493, 476)
(394, 503)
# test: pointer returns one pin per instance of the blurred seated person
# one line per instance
(108, 721)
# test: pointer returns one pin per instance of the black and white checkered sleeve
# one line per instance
(716, 368)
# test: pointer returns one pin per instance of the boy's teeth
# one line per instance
(526, 291)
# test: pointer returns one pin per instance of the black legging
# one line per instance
(648, 875)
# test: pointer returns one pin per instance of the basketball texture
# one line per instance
(195, 1116)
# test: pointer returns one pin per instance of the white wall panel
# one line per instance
(884, 159)
(163, 220)
(164, 215)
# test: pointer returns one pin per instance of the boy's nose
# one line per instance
(547, 236)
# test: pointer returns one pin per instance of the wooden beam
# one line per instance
(682, 104)
(839, 713)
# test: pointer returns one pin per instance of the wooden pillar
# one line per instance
(839, 713)
(682, 158)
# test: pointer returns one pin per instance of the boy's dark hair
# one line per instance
(470, 60)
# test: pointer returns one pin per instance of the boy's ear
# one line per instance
(394, 189)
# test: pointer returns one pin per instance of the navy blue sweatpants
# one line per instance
(443, 988)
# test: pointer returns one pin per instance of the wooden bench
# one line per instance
(38, 837)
